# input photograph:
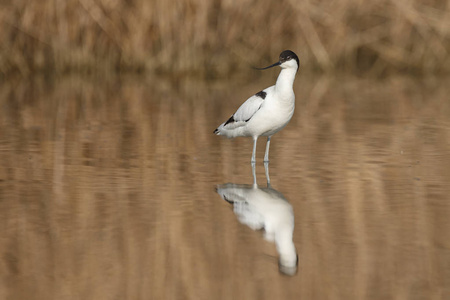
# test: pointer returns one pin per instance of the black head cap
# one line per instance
(288, 55)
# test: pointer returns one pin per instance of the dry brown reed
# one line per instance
(221, 37)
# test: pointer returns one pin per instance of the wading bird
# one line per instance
(269, 110)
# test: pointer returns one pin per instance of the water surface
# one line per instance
(107, 190)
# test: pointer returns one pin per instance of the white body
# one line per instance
(264, 116)
(265, 208)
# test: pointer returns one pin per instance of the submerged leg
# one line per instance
(255, 185)
(255, 138)
(266, 156)
(266, 168)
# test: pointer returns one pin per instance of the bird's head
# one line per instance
(288, 59)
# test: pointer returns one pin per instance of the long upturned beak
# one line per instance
(274, 65)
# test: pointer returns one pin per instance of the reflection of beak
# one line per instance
(274, 65)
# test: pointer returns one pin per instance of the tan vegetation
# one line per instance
(221, 37)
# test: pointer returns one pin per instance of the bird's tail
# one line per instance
(218, 130)
(232, 192)
(230, 130)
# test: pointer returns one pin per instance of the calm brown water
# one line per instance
(107, 191)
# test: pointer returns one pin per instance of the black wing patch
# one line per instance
(257, 109)
(261, 94)
(230, 120)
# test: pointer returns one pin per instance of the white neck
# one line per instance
(285, 82)
(285, 246)
(287, 252)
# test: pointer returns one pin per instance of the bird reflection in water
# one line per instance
(265, 208)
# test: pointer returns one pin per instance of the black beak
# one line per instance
(274, 65)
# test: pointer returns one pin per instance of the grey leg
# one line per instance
(255, 185)
(266, 168)
(255, 138)
(266, 156)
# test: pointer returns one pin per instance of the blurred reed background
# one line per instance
(220, 37)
